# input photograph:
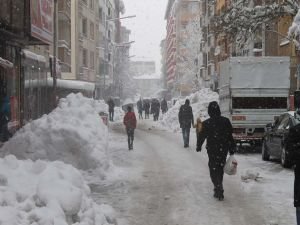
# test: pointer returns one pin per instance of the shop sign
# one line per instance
(41, 13)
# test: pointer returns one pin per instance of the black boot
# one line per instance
(221, 195)
(216, 193)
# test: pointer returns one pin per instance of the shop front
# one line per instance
(22, 23)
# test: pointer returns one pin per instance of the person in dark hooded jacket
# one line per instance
(217, 130)
(293, 144)
(186, 121)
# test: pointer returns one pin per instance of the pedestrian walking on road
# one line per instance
(217, 130)
(140, 108)
(164, 106)
(111, 108)
(186, 121)
(147, 108)
(293, 144)
(130, 124)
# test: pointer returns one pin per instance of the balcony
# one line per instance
(64, 55)
(64, 44)
(64, 10)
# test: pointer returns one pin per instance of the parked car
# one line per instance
(273, 144)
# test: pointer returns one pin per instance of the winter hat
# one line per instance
(214, 109)
(187, 102)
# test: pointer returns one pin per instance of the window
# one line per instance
(101, 14)
(92, 60)
(84, 58)
(109, 35)
(92, 31)
(84, 26)
(91, 4)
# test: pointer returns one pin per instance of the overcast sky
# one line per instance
(148, 28)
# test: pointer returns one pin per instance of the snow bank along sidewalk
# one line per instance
(34, 190)
(199, 102)
(46, 193)
(72, 133)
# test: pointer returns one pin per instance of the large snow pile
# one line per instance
(199, 102)
(48, 193)
(118, 114)
(73, 133)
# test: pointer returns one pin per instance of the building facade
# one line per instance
(22, 25)
(85, 22)
(183, 53)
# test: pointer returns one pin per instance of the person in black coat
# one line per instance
(147, 108)
(293, 144)
(186, 120)
(217, 130)
(164, 106)
(111, 106)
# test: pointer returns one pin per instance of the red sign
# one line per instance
(239, 118)
(292, 106)
(41, 12)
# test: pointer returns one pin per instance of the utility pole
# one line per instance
(54, 75)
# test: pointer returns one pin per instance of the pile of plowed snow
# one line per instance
(48, 193)
(199, 102)
(73, 133)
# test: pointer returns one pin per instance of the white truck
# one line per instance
(253, 91)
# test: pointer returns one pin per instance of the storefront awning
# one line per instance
(6, 64)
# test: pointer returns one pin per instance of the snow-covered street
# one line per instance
(160, 182)
(67, 170)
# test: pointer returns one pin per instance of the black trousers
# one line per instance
(130, 135)
(216, 169)
(111, 115)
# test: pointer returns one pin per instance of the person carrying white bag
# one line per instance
(217, 130)
(230, 167)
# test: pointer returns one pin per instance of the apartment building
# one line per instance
(64, 37)
(208, 48)
(109, 37)
(179, 14)
(84, 40)
(163, 62)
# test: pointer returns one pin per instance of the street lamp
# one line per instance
(116, 54)
(106, 44)
(54, 75)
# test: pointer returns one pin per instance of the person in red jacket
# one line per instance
(130, 124)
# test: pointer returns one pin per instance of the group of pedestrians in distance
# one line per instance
(151, 107)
